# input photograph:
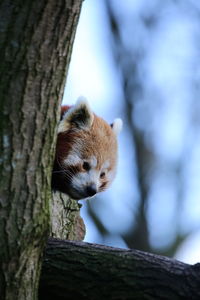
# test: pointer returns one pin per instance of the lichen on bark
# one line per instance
(66, 222)
(36, 43)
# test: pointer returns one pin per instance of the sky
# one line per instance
(93, 74)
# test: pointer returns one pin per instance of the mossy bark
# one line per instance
(36, 42)
(77, 270)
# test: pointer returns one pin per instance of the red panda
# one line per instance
(86, 152)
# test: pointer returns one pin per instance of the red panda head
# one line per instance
(86, 152)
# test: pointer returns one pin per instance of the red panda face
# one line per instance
(86, 153)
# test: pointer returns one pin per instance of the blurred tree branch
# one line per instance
(128, 59)
(128, 64)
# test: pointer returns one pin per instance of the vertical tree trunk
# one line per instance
(66, 222)
(36, 42)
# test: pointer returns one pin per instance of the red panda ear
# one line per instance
(78, 116)
(117, 126)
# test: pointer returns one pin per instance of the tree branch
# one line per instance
(78, 270)
(66, 222)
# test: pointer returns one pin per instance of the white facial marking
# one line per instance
(72, 160)
(93, 162)
(110, 176)
(82, 179)
(106, 165)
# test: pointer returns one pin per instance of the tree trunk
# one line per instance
(36, 42)
(66, 222)
(76, 270)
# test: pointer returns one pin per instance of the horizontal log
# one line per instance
(78, 270)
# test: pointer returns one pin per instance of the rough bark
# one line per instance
(36, 41)
(77, 270)
(66, 222)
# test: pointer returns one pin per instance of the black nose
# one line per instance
(91, 190)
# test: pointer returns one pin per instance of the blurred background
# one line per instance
(139, 60)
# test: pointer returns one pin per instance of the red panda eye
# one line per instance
(102, 175)
(86, 166)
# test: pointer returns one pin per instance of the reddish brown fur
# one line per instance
(98, 141)
(64, 108)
